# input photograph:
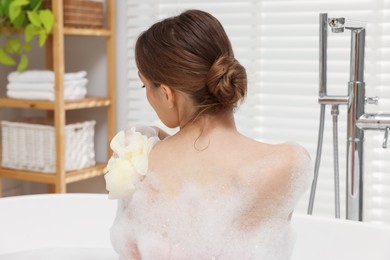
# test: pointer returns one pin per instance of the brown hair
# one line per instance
(192, 53)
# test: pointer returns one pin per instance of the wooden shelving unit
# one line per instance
(70, 176)
(88, 102)
(55, 58)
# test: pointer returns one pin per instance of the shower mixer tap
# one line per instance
(336, 24)
(372, 100)
(358, 121)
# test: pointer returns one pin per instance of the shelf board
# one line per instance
(27, 175)
(86, 32)
(71, 176)
(68, 31)
(88, 102)
(83, 174)
(10, 30)
(22, 103)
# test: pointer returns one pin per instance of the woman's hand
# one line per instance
(149, 131)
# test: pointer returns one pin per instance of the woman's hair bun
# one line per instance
(227, 81)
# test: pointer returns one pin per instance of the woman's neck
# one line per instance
(222, 120)
(203, 132)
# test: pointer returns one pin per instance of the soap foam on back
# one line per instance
(202, 223)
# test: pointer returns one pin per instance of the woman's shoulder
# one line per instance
(281, 163)
(284, 154)
(292, 153)
(279, 179)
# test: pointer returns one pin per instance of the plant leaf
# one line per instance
(6, 59)
(27, 47)
(35, 4)
(12, 46)
(21, 2)
(34, 18)
(7, 47)
(42, 37)
(23, 63)
(4, 5)
(20, 20)
(29, 32)
(14, 11)
(47, 19)
(15, 8)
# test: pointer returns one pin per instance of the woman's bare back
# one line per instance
(224, 195)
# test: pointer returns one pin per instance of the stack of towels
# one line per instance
(40, 85)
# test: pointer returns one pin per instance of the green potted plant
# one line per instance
(29, 17)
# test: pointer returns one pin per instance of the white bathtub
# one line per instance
(76, 226)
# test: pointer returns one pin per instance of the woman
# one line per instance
(209, 192)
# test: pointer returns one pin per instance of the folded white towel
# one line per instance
(42, 76)
(72, 84)
(47, 95)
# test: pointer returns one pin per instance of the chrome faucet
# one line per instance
(358, 121)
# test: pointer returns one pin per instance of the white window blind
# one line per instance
(277, 42)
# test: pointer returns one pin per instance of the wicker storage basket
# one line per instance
(32, 146)
(82, 13)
